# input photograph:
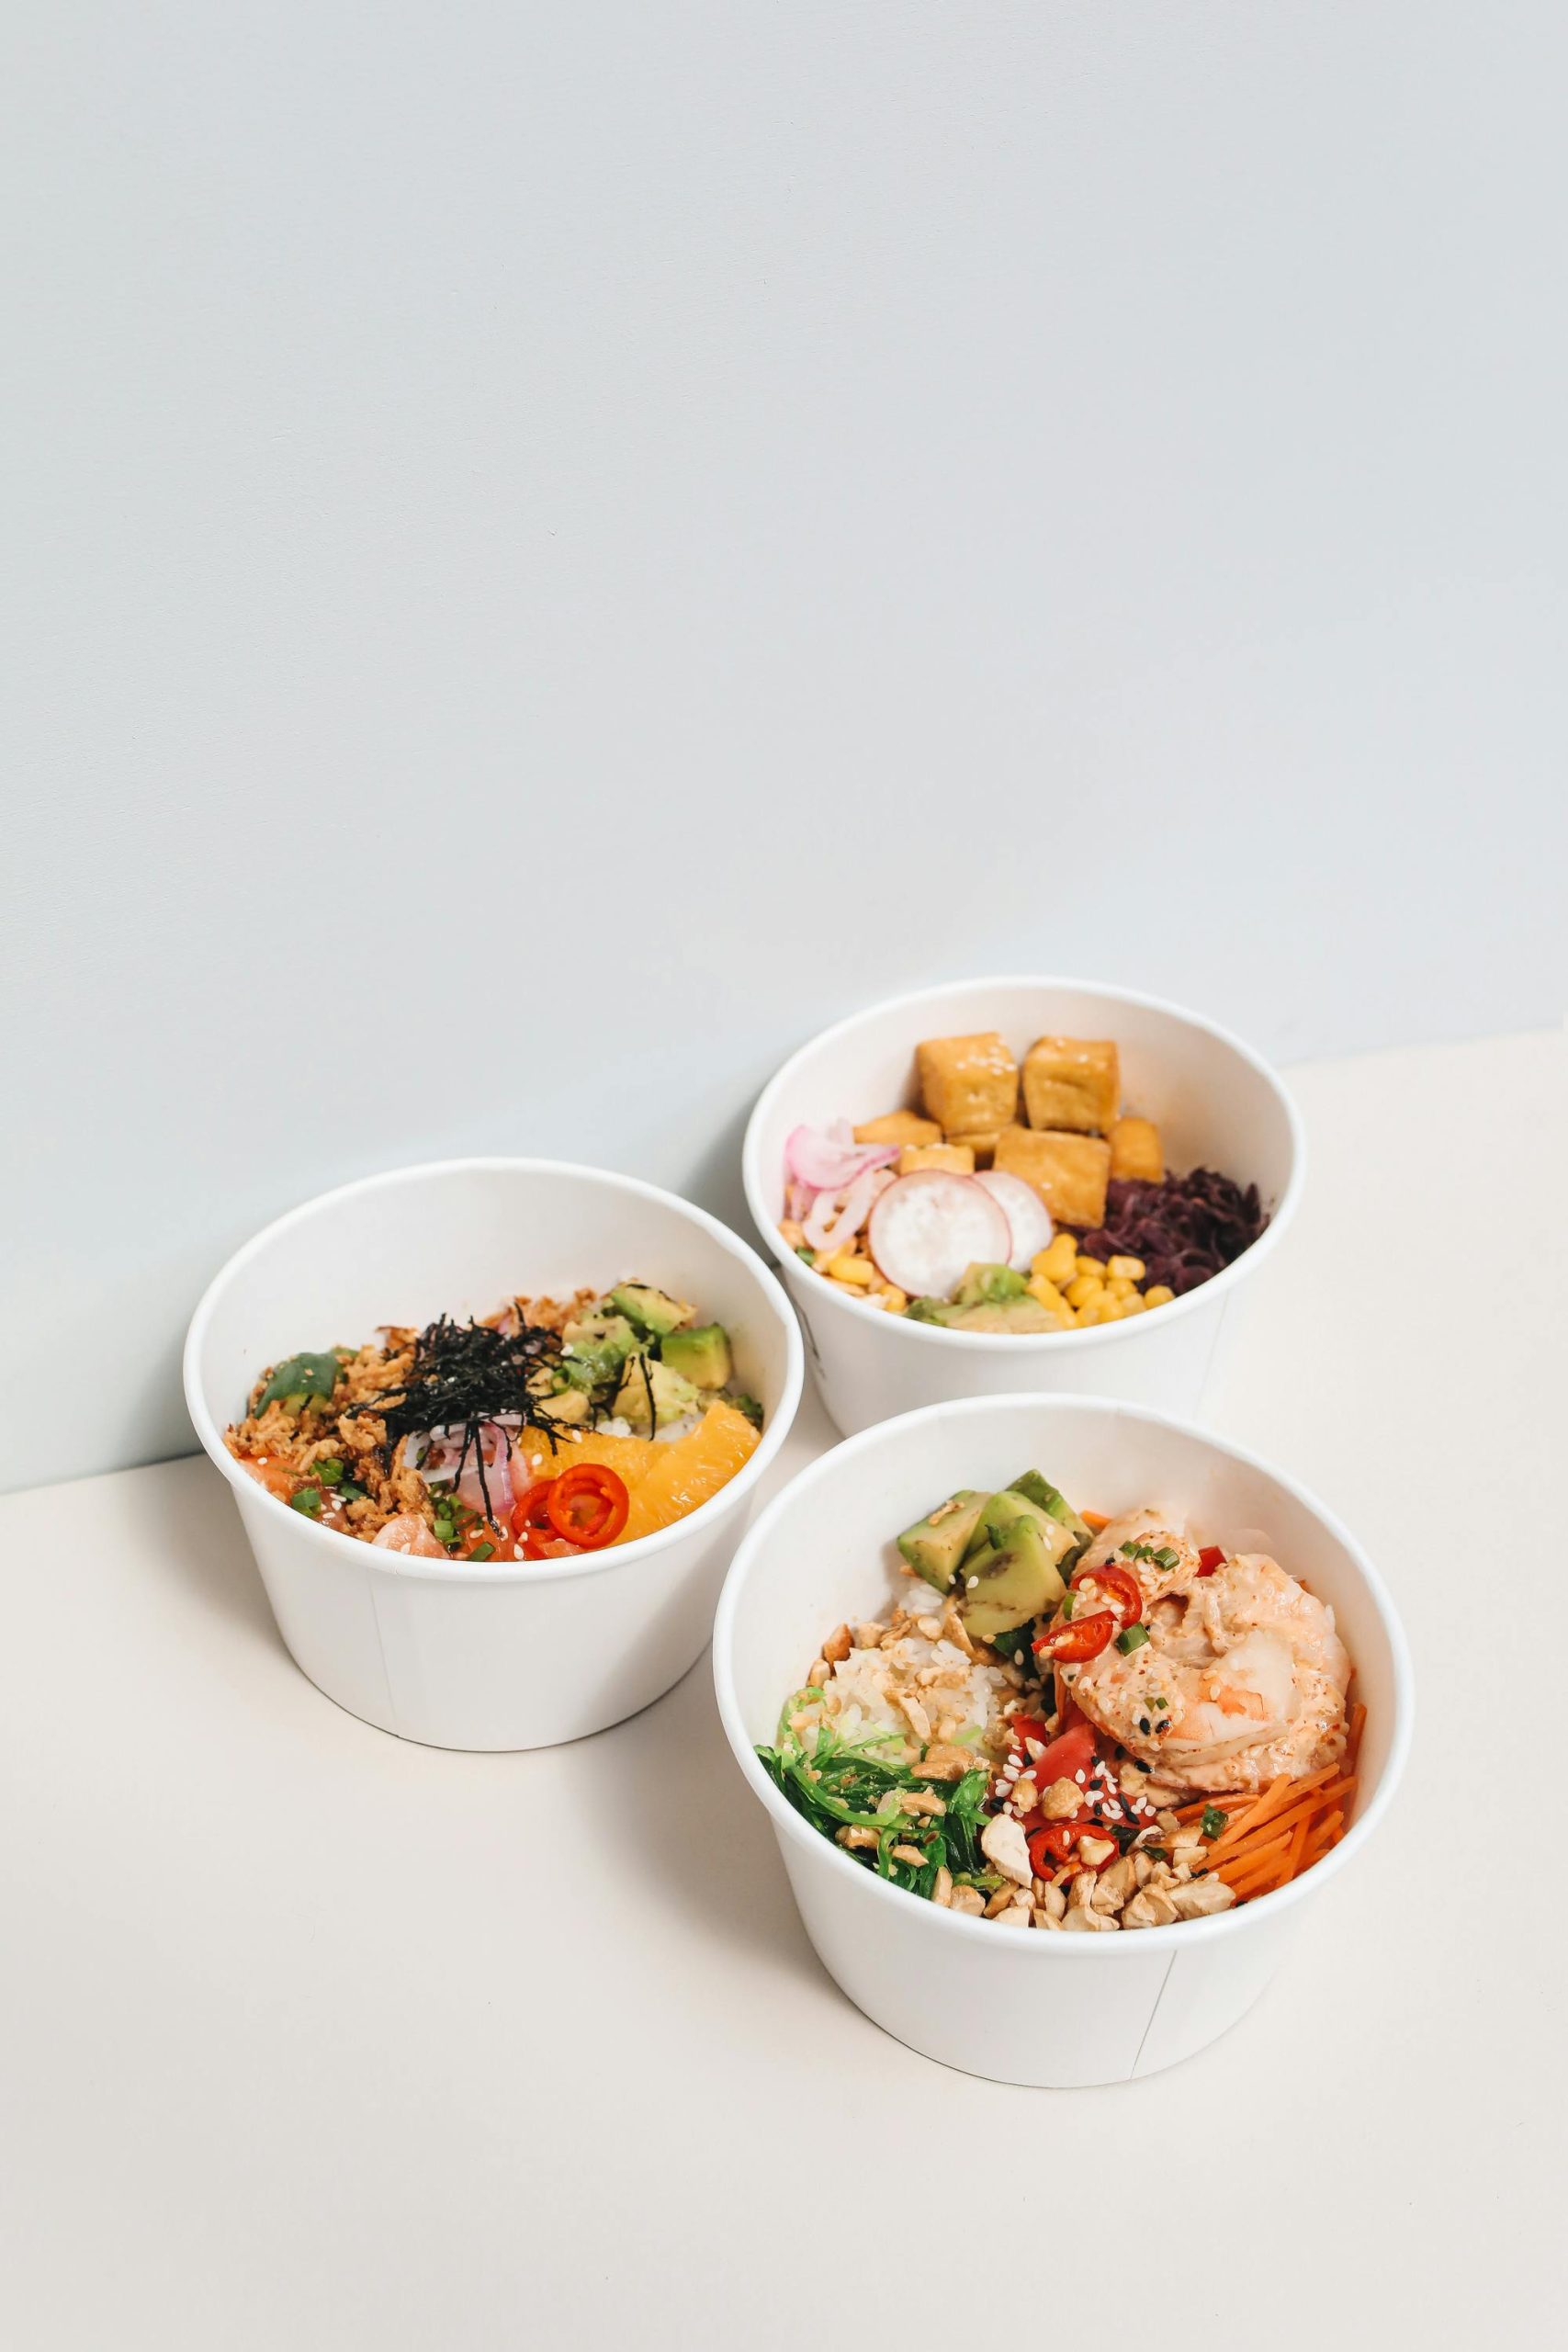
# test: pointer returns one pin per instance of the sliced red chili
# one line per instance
(1120, 1587)
(1051, 1844)
(1079, 1638)
(1210, 1558)
(588, 1506)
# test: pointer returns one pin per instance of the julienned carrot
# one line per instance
(1254, 1816)
(1095, 1519)
(1267, 1849)
(1325, 1834)
(1288, 1818)
(1357, 1723)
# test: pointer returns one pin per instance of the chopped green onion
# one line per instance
(330, 1472)
(1066, 1608)
(307, 1499)
(1132, 1639)
(350, 1493)
(482, 1552)
(1214, 1821)
(1165, 1558)
(445, 1531)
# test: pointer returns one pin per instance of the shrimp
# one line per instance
(408, 1533)
(1150, 1528)
(1243, 1678)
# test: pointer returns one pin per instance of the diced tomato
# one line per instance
(1210, 1558)
(1070, 1753)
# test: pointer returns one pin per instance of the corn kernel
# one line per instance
(1083, 1288)
(1119, 1287)
(895, 1300)
(1048, 1294)
(1058, 1262)
(859, 1273)
(1132, 1269)
(1161, 1295)
(1134, 1304)
(1087, 1265)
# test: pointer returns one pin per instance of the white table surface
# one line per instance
(314, 2038)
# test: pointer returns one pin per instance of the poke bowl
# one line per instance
(1061, 1712)
(1012, 1185)
(493, 1426)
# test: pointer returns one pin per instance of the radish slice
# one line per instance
(1025, 1211)
(927, 1226)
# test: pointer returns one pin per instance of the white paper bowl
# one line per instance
(1025, 2005)
(503, 1655)
(1216, 1105)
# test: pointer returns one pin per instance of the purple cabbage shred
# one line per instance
(1184, 1229)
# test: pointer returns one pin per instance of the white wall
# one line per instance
(558, 549)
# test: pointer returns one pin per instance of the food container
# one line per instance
(1216, 1103)
(493, 1654)
(1024, 2006)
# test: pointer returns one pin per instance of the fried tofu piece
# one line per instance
(1136, 1151)
(968, 1085)
(984, 1146)
(899, 1126)
(956, 1156)
(1072, 1082)
(1069, 1170)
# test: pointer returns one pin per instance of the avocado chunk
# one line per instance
(932, 1310)
(1004, 1512)
(1008, 1315)
(1039, 1490)
(644, 1381)
(301, 1376)
(701, 1355)
(595, 1347)
(990, 1286)
(650, 1309)
(1009, 1583)
(934, 1545)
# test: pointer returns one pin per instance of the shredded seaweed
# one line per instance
(467, 1375)
(848, 1784)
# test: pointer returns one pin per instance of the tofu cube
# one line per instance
(1072, 1082)
(899, 1126)
(984, 1146)
(956, 1155)
(1136, 1151)
(1069, 1170)
(968, 1085)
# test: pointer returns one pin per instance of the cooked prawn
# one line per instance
(1242, 1677)
(408, 1533)
(1153, 1529)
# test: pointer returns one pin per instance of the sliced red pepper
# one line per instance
(1210, 1558)
(1079, 1638)
(1120, 1588)
(588, 1506)
(1051, 1844)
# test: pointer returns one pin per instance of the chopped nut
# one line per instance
(1095, 1850)
(1056, 1902)
(969, 1899)
(1025, 1796)
(1149, 1909)
(1201, 1897)
(956, 1631)
(838, 1645)
(1016, 1914)
(1117, 1883)
(854, 1836)
(1001, 1901)
(868, 1637)
(1169, 1823)
(1082, 1892)
(945, 1763)
(910, 1854)
(930, 1626)
(817, 1671)
(1044, 1918)
(1061, 1800)
(1002, 1842)
(921, 1801)
(941, 1891)
(920, 1722)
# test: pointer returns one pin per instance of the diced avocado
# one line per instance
(932, 1310)
(1002, 1514)
(1010, 1315)
(749, 1405)
(701, 1355)
(650, 1311)
(595, 1348)
(646, 1380)
(301, 1376)
(1009, 1584)
(934, 1545)
(990, 1286)
(1039, 1490)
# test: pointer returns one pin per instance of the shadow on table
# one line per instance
(190, 1515)
(684, 1827)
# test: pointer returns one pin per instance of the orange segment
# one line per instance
(630, 1457)
(687, 1470)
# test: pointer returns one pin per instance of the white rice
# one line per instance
(881, 1690)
